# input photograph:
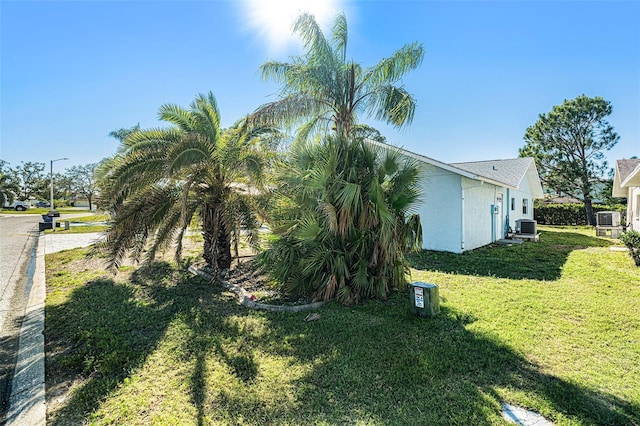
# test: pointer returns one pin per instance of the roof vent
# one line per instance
(494, 167)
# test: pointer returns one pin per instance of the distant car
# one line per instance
(42, 204)
(20, 205)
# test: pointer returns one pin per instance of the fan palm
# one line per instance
(322, 90)
(352, 227)
(163, 178)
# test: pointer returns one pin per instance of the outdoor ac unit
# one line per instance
(526, 226)
(608, 218)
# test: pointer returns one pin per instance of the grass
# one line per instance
(94, 223)
(552, 326)
(37, 210)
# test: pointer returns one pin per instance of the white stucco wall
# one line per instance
(518, 196)
(456, 214)
(481, 227)
(633, 208)
(441, 210)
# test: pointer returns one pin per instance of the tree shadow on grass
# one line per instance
(106, 331)
(383, 366)
(538, 261)
(373, 363)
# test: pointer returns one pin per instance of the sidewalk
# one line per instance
(27, 404)
(54, 243)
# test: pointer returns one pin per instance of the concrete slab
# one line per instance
(27, 404)
(522, 416)
(58, 242)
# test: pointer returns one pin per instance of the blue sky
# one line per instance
(71, 72)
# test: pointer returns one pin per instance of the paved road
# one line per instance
(18, 239)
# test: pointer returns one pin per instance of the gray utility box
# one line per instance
(425, 300)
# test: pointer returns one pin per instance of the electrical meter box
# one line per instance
(425, 299)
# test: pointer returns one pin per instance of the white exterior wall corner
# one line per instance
(440, 210)
(478, 199)
(520, 194)
(633, 208)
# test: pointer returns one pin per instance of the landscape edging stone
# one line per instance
(245, 297)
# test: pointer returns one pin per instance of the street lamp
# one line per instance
(53, 161)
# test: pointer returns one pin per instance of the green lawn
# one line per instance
(552, 326)
(37, 210)
(92, 223)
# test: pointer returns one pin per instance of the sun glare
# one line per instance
(273, 19)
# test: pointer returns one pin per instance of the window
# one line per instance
(525, 206)
(513, 204)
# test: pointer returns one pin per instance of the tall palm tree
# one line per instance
(322, 90)
(350, 226)
(162, 178)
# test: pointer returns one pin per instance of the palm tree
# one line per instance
(163, 178)
(322, 90)
(352, 225)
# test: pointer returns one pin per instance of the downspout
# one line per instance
(462, 216)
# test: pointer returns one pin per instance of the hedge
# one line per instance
(571, 214)
(632, 240)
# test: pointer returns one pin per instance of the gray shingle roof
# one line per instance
(510, 172)
(626, 167)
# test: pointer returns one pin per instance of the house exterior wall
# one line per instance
(516, 202)
(633, 208)
(441, 210)
(460, 213)
(483, 213)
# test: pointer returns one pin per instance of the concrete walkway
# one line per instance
(27, 404)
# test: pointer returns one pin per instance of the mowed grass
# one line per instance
(80, 225)
(552, 326)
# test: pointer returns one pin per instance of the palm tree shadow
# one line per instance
(538, 261)
(437, 372)
(114, 328)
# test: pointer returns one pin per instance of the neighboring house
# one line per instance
(468, 205)
(82, 202)
(626, 184)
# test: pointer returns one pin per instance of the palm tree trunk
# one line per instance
(217, 239)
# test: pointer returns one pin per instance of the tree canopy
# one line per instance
(323, 90)
(162, 178)
(568, 144)
(82, 180)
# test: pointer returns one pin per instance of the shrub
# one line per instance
(632, 240)
(349, 226)
(568, 214)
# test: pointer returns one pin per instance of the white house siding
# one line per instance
(441, 210)
(481, 226)
(633, 208)
(518, 196)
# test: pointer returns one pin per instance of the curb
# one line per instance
(27, 403)
(245, 298)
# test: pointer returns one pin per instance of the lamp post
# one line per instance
(51, 206)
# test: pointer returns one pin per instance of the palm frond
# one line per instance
(393, 105)
(339, 38)
(177, 116)
(391, 70)
(319, 49)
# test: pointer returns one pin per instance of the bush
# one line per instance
(569, 214)
(632, 240)
(348, 226)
